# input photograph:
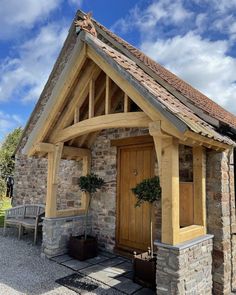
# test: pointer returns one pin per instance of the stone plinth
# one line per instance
(185, 268)
(56, 233)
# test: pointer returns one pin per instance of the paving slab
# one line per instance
(107, 254)
(76, 264)
(61, 258)
(125, 266)
(97, 259)
(112, 261)
(128, 275)
(125, 285)
(115, 270)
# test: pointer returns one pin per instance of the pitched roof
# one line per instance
(174, 95)
(168, 101)
(196, 97)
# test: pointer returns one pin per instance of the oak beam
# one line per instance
(120, 120)
(156, 132)
(170, 191)
(68, 152)
(108, 96)
(79, 96)
(52, 184)
(75, 152)
(76, 115)
(208, 142)
(42, 147)
(90, 138)
(91, 98)
(99, 94)
(191, 232)
(70, 212)
(126, 103)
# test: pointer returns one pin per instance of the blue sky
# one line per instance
(193, 38)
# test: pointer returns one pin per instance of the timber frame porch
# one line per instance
(94, 94)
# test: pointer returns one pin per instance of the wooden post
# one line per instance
(199, 178)
(167, 150)
(108, 96)
(126, 103)
(170, 191)
(76, 115)
(91, 98)
(53, 167)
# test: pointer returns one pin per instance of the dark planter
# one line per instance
(145, 270)
(82, 249)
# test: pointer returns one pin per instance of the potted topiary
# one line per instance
(144, 264)
(85, 246)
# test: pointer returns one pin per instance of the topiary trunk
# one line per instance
(86, 217)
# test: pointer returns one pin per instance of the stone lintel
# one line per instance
(184, 245)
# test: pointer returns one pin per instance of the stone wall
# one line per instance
(220, 216)
(185, 269)
(56, 233)
(31, 182)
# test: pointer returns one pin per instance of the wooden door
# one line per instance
(133, 223)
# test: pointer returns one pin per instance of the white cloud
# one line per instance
(174, 34)
(158, 12)
(203, 63)
(23, 77)
(76, 3)
(8, 122)
(18, 15)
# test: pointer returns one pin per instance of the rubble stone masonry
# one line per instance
(185, 269)
(220, 217)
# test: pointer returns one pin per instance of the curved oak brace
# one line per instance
(120, 120)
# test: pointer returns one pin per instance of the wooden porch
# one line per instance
(91, 97)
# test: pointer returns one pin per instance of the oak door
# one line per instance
(133, 223)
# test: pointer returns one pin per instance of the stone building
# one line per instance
(109, 109)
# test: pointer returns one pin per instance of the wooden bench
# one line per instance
(25, 216)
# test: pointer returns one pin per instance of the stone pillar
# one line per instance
(220, 217)
(56, 233)
(185, 268)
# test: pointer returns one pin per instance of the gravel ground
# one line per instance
(24, 271)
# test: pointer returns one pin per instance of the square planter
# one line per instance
(145, 270)
(82, 249)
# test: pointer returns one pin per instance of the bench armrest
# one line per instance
(39, 218)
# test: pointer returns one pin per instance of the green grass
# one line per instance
(5, 203)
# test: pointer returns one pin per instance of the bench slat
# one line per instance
(28, 216)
